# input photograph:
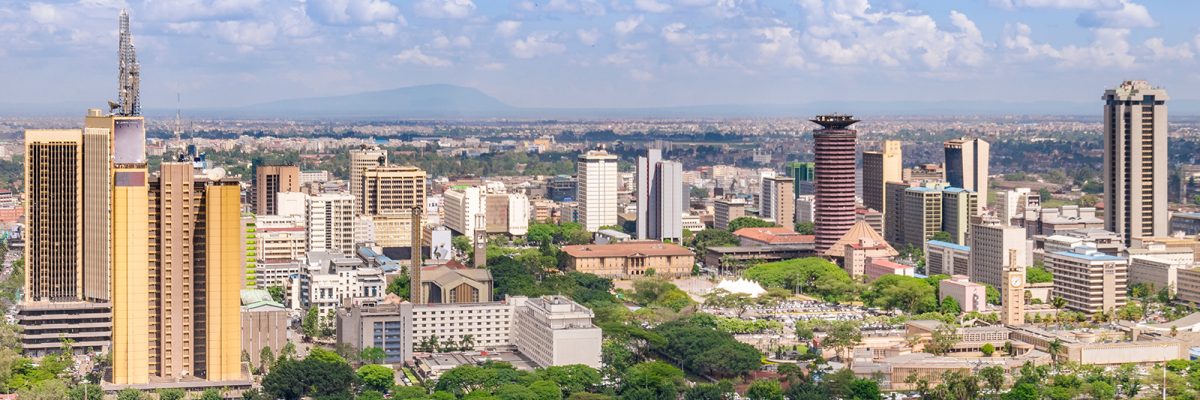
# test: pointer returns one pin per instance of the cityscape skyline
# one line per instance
(646, 53)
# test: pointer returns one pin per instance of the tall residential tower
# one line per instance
(1135, 160)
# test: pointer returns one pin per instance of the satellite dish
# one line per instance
(112, 106)
(216, 174)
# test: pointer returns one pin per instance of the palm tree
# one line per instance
(1055, 347)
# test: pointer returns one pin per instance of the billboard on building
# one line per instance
(129, 141)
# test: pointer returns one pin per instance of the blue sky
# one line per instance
(604, 53)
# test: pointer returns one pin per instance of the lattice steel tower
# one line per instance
(128, 97)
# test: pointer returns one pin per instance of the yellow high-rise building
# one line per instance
(223, 281)
(131, 278)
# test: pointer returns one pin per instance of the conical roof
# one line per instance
(860, 232)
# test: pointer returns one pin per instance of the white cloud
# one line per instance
(627, 25)
(1109, 49)
(247, 35)
(535, 45)
(417, 57)
(508, 28)
(444, 8)
(651, 6)
(201, 10)
(851, 32)
(1161, 52)
(641, 75)
(341, 12)
(1058, 4)
(677, 34)
(780, 44)
(587, 7)
(441, 41)
(45, 14)
(1128, 15)
(589, 37)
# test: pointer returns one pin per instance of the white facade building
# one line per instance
(553, 330)
(597, 189)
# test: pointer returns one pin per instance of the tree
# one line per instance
(1024, 391)
(811, 275)
(125, 394)
(942, 340)
(575, 378)
(748, 222)
(408, 392)
(841, 336)
(370, 395)
(993, 377)
(765, 390)
(462, 245)
(210, 394)
(987, 349)
(705, 391)
(1045, 194)
(865, 389)
(311, 323)
(376, 377)
(399, 286)
(1038, 274)
(266, 358)
(373, 355)
(276, 293)
(1058, 302)
(942, 236)
(1101, 390)
(91, 391)
(654, 378)
(49, 389)
(993, 295)
(546, 390)
(712, 238)
(514, 391)
(171, 394)
(950, 306)
(805, 228)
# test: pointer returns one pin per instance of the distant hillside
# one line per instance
(426, 101)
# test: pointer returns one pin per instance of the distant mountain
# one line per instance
(426, 101)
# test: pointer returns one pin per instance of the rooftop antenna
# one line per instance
(178, 112)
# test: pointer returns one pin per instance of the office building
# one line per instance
(834, 177)
(385, 325)
(660, 198)
(462, 204)
(630, 259)
(947, 258)
(777, 202)
(194, 277)
(727, 210)
(1053, 221)
(597, 189)
(893, 228)
(970, 296)
(506, 213)
(1135, 160)
(330, 278)
(879, 168)
(921, 214)
(452, 283)
(958, 206)
(562, 188)
(1186, 223)
(1013, 205)
(967, 166)
(990, 247)
(269, 181)
(803, 175)
(360, 159)
(1090, 281)
(876, 268)
(329, 219)
(553, 330)
(391, 190)
(54, 218)
(264, 324)
(282, 243)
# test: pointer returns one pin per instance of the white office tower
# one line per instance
(330, 223)
(660, 198)
(990, 245)
(461, 204)
(596, 193)
(1135, 160)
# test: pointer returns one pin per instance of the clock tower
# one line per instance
(1013, 279)
(481, 237)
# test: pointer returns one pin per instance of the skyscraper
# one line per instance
(597, 189)
(660, 198)
(880, 167)
(835, 180)
(778, 201)
(360, 159)
(1135, 160)
(802, 176)
(269, 180)
(54, 217)
(991, 247)
(391, 190)
(967, 166)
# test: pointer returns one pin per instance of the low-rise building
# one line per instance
(1052, 221)
(726, 210)
(878, 267)
(1087, 279)
(44, 325)
(1186, 223)
(386, 325)
(970, 296)
(630, 259)
(947, 258)
(264, 324)
(553, 330)
(330, 278)
(733, 258)
(775, 236)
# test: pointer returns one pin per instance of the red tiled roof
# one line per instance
(626, 249)
(888, 264)
(776, 235)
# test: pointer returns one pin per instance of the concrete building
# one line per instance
(264, 324)
(561, 188)
(1051, 221)
(774, 236)
(802, 174)
(859, 245)
(275, 273)
(1187, 223)
(834, 177)
(726, 210)
(452, 283)
(45, 324)
(1090, 281)
(553, 330)
(921, 214)
(990, 247)
(269, 181)
(958, 207)
(284, 243)
(660, 198)
(879, 168)
(387, 325)
(970, 296)
(1135, 160)
(507, 213)
(1013, 205)
(777, 202)
(893, 227)
(390, 190)
(597, 189)
(1158, 267)
(967, 166)
(879, 267)
(331, 278)
(627, 260)
(947, 258)
(806, 208)
(486, 325)
(330, 222)
(462, 204)
(360, 159)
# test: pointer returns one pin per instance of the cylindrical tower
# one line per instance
(834, 178)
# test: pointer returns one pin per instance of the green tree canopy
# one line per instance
(748, 222)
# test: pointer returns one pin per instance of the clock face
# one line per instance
(1016, 281)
